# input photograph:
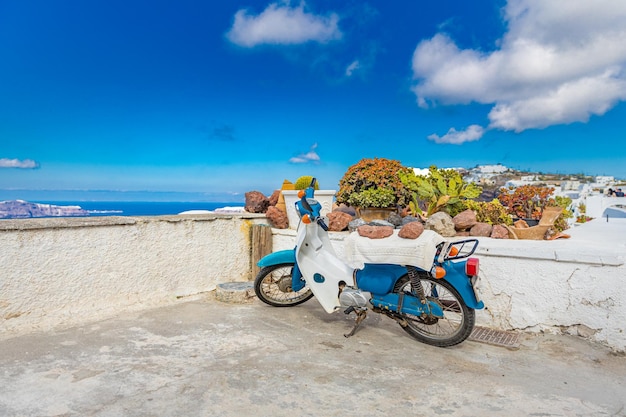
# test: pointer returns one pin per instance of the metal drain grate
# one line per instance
(509, 340)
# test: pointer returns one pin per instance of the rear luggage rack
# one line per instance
(458, 249)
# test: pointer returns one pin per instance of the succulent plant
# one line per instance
(304, 182)
(492, 212)
(527, 201)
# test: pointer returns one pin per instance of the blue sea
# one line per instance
(140, 208)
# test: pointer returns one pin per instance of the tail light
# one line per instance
(306, 219)
(471, 267)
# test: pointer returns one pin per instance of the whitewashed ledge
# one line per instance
(101, 221)
(67, 271)
(575, 285)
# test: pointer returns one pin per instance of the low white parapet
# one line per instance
(65, 271)
(71, 271)
(577, 285)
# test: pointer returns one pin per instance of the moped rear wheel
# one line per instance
(457, 323)
(273, 286)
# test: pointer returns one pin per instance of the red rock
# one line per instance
(481, 229)
(277, 217)
(338, 221)
(274, 197)
(375, 232)
(464, 220)
(411, 230)
(499, 232)
(256, 202)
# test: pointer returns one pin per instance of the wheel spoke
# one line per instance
(457, 320)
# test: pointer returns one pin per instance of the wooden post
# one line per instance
(261, 245)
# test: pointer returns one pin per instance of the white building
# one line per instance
(492, 169)
(605, 180)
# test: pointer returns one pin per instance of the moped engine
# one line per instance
(353, 298)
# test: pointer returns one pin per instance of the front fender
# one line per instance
(285, 257)
(276, 258)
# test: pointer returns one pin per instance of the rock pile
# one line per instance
(344, 218)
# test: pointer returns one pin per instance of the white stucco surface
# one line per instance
(577, 285)
(68, 271)
(65, 271)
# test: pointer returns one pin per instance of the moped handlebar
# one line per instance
(305, 204)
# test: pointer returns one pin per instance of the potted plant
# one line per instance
(527, 202)
(373, 203)
(374, 184)
(325, 198)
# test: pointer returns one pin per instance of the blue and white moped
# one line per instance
(428, 285)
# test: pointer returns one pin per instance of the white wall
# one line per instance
(577, 284)
(538, 285)
(66, 271)
(596, 204)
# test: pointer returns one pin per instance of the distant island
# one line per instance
(19, 209)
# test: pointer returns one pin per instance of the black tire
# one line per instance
(273, 286)
(458, 321)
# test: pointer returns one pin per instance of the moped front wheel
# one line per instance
(273, 286)
(457, 323)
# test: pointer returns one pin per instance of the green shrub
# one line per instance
(373, 197)
(492, 212)
(376, 173)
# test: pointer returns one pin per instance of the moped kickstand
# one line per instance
(360, 316)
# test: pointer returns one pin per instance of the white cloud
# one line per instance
(352, 67)
(455, 137)
(282, 25)
(303, 158)
(16, 163)
(561, 61)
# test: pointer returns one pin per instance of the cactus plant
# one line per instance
(304, 182)
(441, 190)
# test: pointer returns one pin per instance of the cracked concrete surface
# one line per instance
(206, 358)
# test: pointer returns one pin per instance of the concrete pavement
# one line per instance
(206, 358)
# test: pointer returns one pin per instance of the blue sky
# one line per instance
(205, 100)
